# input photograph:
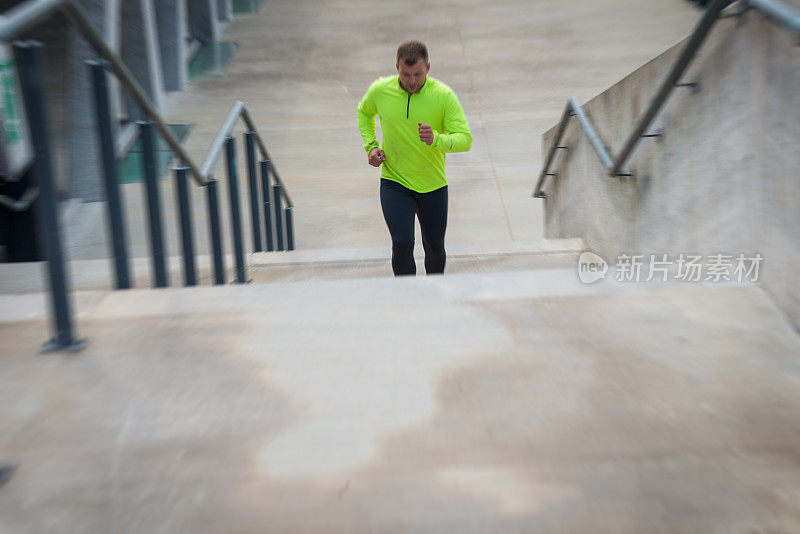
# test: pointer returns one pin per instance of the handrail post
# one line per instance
(236, 222)
(153, 203)
(30, 62)
(99, 73)
(276, 200)
(187, 239)
(289, 228)
(255, 212)
(214, 231)
(267, 204)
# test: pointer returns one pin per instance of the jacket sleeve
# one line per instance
(366, 118)
(456, 136)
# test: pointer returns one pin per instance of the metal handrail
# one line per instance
(262, 147)
(238, 110)
(787, 15)
(594, 139)
(30, 56)
(24, 17)
(698, 36)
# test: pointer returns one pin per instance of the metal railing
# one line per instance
(30, 63)
(272, 196)
(23, 17)
(784, 14)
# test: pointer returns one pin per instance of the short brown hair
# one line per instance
(411, 51)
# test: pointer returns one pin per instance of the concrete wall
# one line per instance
(725, 178)
(204, 20)
(80, 142)
(172, 33)
(140, 52)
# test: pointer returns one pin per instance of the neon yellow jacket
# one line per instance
(409, 161)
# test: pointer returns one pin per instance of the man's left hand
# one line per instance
(425, 134)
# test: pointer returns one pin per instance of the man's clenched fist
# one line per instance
(425, 133)
(376, 157)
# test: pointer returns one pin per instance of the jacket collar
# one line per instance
(400, 86)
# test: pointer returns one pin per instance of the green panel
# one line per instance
(9, 99)
(211, 60)
(130, 169)
(246, 6)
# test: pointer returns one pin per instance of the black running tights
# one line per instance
(399, 206)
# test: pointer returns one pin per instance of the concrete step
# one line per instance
(300, 265)
(517, 401)
(376, 261)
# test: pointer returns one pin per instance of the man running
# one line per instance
(421, 120)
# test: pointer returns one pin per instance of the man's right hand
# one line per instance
(376, 157)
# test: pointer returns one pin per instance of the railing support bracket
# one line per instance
(694, 86)
(658, 134)
(736, 14)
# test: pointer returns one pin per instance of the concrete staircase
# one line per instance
(328, 396)
(301, 265)
(512, 401)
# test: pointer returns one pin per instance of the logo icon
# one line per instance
(591, 267)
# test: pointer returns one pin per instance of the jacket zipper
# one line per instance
(408, 104)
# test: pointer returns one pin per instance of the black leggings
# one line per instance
(399, 206)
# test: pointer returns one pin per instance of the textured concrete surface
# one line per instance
(724, 177)
(303, 66)
(516, 402)
(304, 265)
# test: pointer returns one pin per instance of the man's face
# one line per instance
(413, 76)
